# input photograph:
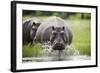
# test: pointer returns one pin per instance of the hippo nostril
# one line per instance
(58, 46)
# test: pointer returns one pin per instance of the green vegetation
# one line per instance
(81, 35)
(30, 50)
(63, 15)
(79, 24)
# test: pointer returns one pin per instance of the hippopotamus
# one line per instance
(30, 27)
(56, 31)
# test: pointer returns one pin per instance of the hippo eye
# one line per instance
(53, 28)
(54, 33)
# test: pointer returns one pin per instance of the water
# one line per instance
(68, 51)
(47, 54)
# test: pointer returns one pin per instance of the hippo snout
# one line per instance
(58, 46)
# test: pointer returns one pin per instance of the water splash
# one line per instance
(71, 51)
(48, 54)
(48, 51)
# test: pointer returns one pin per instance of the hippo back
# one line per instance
(28, 33)
(45, 29)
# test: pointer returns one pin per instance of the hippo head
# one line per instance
(35, 26)
(34, 29)
(58, 38)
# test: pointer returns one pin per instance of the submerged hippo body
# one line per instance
(29, 29)
(55, 30)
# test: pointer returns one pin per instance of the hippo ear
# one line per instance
(63, 28)
(33, 23)
(53, 28)
(38, 24)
